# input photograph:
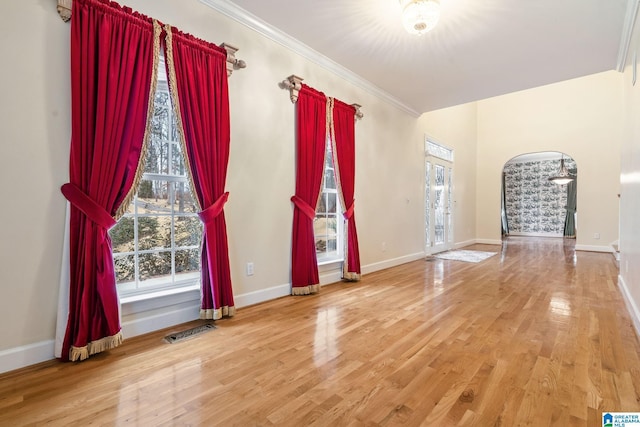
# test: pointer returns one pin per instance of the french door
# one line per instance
(438, 205)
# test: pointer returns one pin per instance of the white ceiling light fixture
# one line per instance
(563, 177)
(420, 16)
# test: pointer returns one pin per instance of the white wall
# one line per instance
(35, 109)
(581, 117)
(630, 186)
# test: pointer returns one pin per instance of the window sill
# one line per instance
(133, 304)
(329, 262)
(127, 299)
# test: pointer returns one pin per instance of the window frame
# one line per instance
(329, 171)
(173, 280)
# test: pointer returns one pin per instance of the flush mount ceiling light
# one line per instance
(420, 16)
(563, 177)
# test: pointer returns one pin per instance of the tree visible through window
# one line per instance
(328, 223)
(156, 243)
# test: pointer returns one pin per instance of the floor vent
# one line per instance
(189, 333)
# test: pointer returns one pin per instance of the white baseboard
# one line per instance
(255, 297)
(489, 241)
(632, 307)
(25, 355)
(523, 234)
(377, 266)
(330, 277)
(464, 244)
(593, 248)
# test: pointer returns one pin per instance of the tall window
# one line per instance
(156, 244)
(328, 225)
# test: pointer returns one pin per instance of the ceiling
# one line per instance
(479, 49)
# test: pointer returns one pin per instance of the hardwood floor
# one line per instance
(535, 335)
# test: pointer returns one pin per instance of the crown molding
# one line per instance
(247, 19)
(627, 32)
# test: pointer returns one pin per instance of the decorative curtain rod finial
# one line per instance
(294, 84)
(233, 63)
(64, 9)
(359, 113)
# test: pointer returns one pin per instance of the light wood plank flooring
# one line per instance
(536, 335)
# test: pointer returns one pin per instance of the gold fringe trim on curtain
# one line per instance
(217, 313)
(305, 290)
(350, 276)
(175, 104)
(347, 275)
(147, 132)
(94, 347)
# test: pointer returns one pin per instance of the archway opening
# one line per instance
(532, 205)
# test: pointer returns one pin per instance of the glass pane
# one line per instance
(428, 205)
(322, 203)
(188, 231)
(184, 202)
(175, 130)
(153, 197)
(125, 268)
(154, 232)
(321, 245)
(439, 176)
(450, 208)
(320, 225)
(155, 265)
(122, 235)
(329, 179)
(177, 160)
(331, 202)
(161, 113)
(328, 159)
(439, 205)
(187, 260)
(332, 245)
(332, 225)
(158, 151)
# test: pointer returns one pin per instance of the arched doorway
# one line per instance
(532, 205)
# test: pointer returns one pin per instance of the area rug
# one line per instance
(465, 255)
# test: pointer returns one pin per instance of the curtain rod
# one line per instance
(294, 83)
(65, 7)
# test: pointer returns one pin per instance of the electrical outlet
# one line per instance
(384, 246)
(249, 269)
(596, 236)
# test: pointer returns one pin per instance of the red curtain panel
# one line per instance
(198, 76)
(112, 62)
(343, 137)
(311, 134)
